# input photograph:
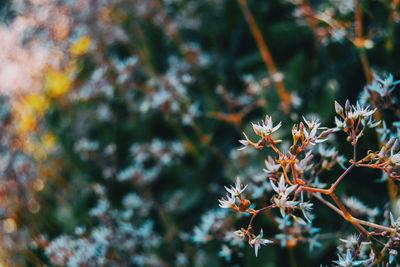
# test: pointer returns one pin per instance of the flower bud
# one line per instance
(296, 134)
(325, 134)
(240, 233)
(301, 128)
(382, 153)
(338, 108)
(396, 145)
(349, 122)
(301, 154)
(347, 106)
(390, 142)
(244, 205)
(294, 149)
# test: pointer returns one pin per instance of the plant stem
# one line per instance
(266, 56)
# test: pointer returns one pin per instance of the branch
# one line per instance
(266, 56)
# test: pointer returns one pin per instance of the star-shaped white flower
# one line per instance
(281, 189)
(348, 260)
(361, 111)
(258, 241)
(246, 142)
(282, 203)
(305, 207)
(340, 125)
(237, 190)
(229, 202)
(271, 166)
(266, 127)
(313, 123)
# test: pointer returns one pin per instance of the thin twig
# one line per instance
(266, 56)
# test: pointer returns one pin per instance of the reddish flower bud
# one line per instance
(325, 134)
(349, 122)
(244, 205)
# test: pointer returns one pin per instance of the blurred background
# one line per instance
(120, 122)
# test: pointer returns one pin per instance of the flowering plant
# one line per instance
(120, 118)
(293, 175)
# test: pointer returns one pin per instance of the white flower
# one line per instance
(225, 252)
(392, 255)
(237, 190)
(269, 124)
(361, 111)
(312, 136)
(304, 164)
(281, 189)
(313, 123)
(348, 260)
(318, 184)
(258, 241)
(240, 233)
(371, 123)
(340, 125)
(227, 203)
(282, 203)
(395, 159)
(394, 222)
(360, 208)
(304, 207)
(352, 242)
(266, 127)
(326, 152)
(246, 142)
(271, 166)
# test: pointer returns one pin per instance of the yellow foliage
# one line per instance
(57, 83)
(28, 110)
(26, 121)
(80, 47)
(37, 103)
(47, 141)
(44, 146)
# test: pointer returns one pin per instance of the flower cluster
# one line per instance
(121, 231)
(294, 174)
